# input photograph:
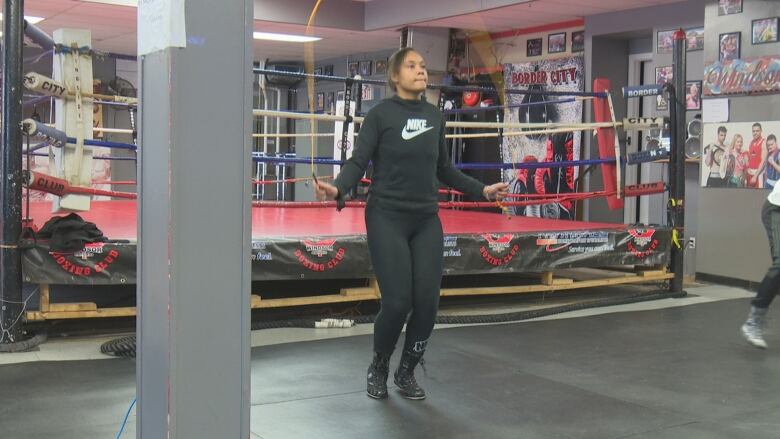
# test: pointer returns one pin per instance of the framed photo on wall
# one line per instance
(330, 105)
(380, 67)
(694, 39)
(726, 154)
(665, 42)
(320, 101)
(533, 47)
(728, 7)
(764, 30)
(578, 41)
(693, 95)
(729, 46)
(352, 68)
(662, 76)
(556, 43)
(328, 70)
(365, 68)
(340, 96)
(367, 92)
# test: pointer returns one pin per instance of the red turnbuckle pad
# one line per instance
(47, 183)
(636, 190)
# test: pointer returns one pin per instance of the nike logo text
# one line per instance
(415, 127)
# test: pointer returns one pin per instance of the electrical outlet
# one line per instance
(691, 243)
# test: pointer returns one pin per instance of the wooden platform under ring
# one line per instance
(547, 282)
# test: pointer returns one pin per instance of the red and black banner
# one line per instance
(346, 257)
(95, 264)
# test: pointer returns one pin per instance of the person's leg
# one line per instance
(753, 327)
(427, 261)
(767, 291)
(427, 249)
(388, 243)
(391, 258)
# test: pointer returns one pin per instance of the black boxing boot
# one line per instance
(376, 379)
(404, 375)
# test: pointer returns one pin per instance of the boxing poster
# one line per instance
(740, 155)
(563, 74)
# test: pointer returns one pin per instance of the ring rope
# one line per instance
(522, 165)
(485, 90)
(522, 105)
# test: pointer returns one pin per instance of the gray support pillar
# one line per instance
(194, 232)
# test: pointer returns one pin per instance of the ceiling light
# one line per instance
(30, 19)
(285, 37)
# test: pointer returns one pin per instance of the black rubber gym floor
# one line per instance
(673, 373)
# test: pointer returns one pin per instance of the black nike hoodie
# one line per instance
(404, 139)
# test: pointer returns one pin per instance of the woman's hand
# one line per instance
(495, 191)
(325, 191)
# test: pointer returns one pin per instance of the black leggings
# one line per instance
(407, 252)
(770, 216)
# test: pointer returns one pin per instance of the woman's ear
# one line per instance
(394, 78)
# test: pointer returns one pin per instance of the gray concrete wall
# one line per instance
(732, 241)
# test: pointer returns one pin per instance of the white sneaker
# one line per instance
(753, 335)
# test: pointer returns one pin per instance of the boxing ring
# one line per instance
(294, 241)
(312, 243)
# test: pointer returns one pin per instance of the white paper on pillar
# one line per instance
(338, 131)
(67, 164)
(161, 24)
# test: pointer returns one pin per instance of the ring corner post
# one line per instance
(11, 303)
(677, 164)
(606, 141)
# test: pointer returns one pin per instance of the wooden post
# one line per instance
(44, 299)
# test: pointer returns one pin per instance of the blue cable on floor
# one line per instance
(127, 415)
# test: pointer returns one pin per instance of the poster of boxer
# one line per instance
(740, 155)
(563, 74)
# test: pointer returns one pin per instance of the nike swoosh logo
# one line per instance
(406, 135)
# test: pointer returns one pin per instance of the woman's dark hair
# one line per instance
(394, 64)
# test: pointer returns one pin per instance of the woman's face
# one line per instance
(738, 143)
(412, 77)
